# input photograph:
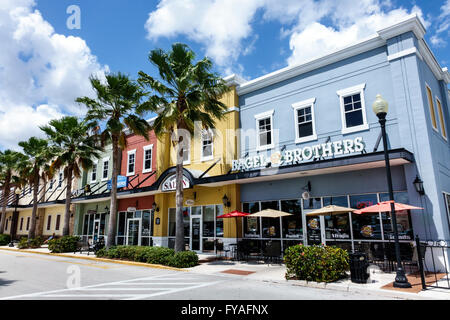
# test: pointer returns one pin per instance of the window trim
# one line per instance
(128, 162)
(358, 89)
(431, 108)
(59, 186)
(49, 222)
(263, 116)
(106, 159)
(444, 134)
(146, 148)
(302, 105)
(211, 157)
(95, 163)
(188, 161)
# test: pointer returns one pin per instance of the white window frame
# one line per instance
(95, 163)
(144, 170)
(259, 117)
(131, 152)
(441, 121)
(60, 174)
(302, 105)
(358, 89)
(103, 169)
(431, 107)
(210, 157)
(188, 160)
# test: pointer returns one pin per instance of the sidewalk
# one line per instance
(273, 273)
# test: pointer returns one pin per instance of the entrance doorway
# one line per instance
(314, 230)
(196, 230)
(133, 232)
(96, 231)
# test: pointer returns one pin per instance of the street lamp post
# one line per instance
(14, 225)
(380, 108)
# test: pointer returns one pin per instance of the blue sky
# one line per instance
(46, 65)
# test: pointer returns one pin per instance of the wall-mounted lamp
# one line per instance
(418, 184)
(226, 201)
(106, 209)
(87, 188)
(307, 187)
(155, 207)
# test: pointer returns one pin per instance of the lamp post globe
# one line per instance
(380, 107)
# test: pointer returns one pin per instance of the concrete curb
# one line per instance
(130, 263)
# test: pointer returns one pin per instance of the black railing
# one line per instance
(433, 256)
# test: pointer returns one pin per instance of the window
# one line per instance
(365, 226)
(21, 224)
(148, 153)
(207, 145)
(447, 202)
(304, 121)
(28, 223)
(187, 153)
(441, 118)
(51, 185)
(94, 172)
(60, 179)
(431, 106)
(251, 224)
(337, 227)
(58, 221)
(49, 222)
(353, 110)
(264, 130)
(131, 162)
(105, 169)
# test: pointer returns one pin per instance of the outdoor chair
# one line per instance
(272, 252)
(84, 246)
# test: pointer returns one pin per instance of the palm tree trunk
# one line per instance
(32, 232)
(68, 201)
(179, 233)
(111, 240)
(4, 204)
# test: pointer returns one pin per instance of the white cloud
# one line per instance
(443, 28)
(41, 72)
(314, 27)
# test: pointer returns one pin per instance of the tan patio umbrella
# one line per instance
(330, 210)
(270, 213)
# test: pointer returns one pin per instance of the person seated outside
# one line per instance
(50, 238)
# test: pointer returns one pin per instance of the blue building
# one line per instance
(309, 138)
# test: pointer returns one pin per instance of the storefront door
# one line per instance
(134, 232)
(196, 228)
(314, 233)
(96, 232)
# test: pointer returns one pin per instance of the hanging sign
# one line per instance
(122, 182)
(170, 183)
(296, 156)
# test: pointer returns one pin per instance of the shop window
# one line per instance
(304, 121)
(207, 145)
(172, 220)
(404, 224)
(292, 226)
(366, 226)
(353, 110)
(337, 226)
(148, 153)
(251, 225)
(146, 227)
(219, 222)
(431, 106)
(49, 222)
(85, 225)
(121, 224)
(270, 226)
(131, 162)
(264, 123)
(447, 201)
(208, 221)
(341, 244)
(105, 169)
(312, 203)
(187, 222)
(58, 221)
(441, 118)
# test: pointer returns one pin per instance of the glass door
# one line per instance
(196, 244)
(313, 227)
(134, 232)
(96, 231)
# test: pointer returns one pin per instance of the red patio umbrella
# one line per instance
(234, 214)
(385, 206)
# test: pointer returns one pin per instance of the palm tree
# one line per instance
(8, 173)
(75, 147)
(39, 154)
(118, 108)
(187, 93)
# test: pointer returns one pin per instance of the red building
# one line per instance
(135, 220)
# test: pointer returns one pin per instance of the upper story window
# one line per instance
(441, 119)
(431, 106)
(131, 162)
(60, 179)
(305, 128)
(187, 153)
(51, 184)
(94, 172)
(207, 145)
(148, 154)
(353, 109)
(264, 129)
(105, 168)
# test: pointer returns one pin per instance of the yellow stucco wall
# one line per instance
(23, 214)
(53, 212)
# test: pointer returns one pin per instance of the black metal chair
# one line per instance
(272, 252)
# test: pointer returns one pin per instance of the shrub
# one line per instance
(23, 243)
(63, 244)
(159, 255)
(26, 243)
(5, 239)
(184, 259)
(316, 263)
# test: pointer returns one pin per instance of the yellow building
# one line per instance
(208, 154)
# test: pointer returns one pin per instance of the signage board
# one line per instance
(300, 155)
(122, 182)
(170, 183)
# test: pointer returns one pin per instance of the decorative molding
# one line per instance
(405, 53)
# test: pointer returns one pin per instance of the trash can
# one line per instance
(358, 267)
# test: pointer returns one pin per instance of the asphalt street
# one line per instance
(28, 276)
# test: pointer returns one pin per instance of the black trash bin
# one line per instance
(358, 267)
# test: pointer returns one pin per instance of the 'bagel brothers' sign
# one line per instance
(296, 156)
